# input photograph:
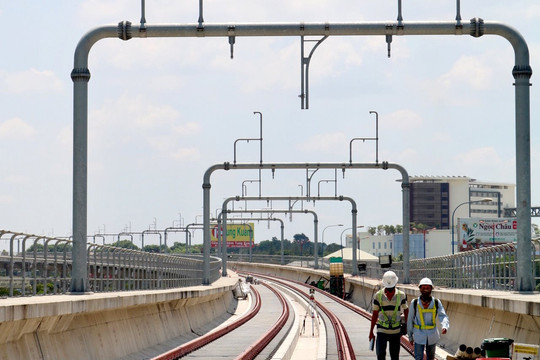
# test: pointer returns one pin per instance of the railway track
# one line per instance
(258, 332)
(262, 330)
(355, 319)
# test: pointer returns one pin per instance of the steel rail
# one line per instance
(206, 339)
(404, 340)
(344, 346)
(258, 346)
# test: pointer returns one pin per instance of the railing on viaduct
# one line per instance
(110, 268)
(489, 268)
(32, 272)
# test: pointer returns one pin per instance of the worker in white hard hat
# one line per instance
(422, 324)
(389, 304)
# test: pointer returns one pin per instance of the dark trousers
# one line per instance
(393, 343)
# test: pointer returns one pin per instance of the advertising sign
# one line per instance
(526, 352)
(476, 233)
(238, 235)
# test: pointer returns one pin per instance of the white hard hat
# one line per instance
(389, 279)
(425, 281)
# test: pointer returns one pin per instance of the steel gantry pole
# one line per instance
(274, 166)
(269, 211)
(125, 31)
(354, 212)
(174, 229)
(188, 235)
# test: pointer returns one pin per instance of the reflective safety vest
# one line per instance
(421, 312)
(387, 323)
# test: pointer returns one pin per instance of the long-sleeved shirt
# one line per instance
(431, 335)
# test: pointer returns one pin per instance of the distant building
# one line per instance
(374, 245)
(416, 246)
(433, 199)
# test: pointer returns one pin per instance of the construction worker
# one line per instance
(388, 305)
(421, 325)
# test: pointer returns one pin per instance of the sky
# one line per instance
(162, 111)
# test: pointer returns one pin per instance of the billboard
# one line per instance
(238, 235)
(474, 233)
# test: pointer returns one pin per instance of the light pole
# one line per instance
(425, 231)
(341, 238)
(322, 243)
(453, 212)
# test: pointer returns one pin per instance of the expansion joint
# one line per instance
(80, 74)
(124, 30)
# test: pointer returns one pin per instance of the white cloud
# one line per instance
(16, 129)
(479, 156)
(65, 136)
(469, 74)
(95, 11)
(135, 120)
(533, 11)
(129, 115)
(280, 71)
(331, 142)
(29, 82)
(167, 146)
(6, 199)
(405, 156)
(488, 162)
(404, 119)
(335, 56)
(188, 154)
(442, 137)
(190, 128)
(16, 179)
(469, 71)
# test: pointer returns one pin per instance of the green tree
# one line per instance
(38, 247)
(389, 229)
(264, 247)
(372, 230)
(196, 249)
(125, 244)
(332, 248)
(178, 248)
(40, 287)
(63, 246)
(151, 248)
(300, 240)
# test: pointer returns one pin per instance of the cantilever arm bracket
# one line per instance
(304, 81)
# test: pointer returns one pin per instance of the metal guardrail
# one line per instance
(489, 268)
(24, 272)
(38, 272)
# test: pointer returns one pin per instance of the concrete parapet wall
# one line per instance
(109, 325)
(474, 314)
